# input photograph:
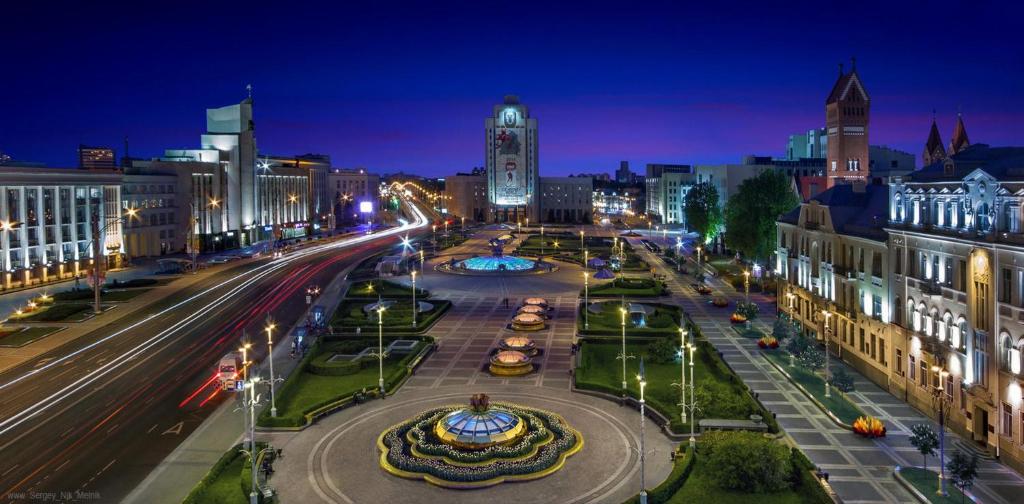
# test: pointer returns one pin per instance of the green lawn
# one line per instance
(629, 287)
(698, 488)
(398, 316)
(19, 337)
(304, 391)
(927, 482)
(567, 242)
(226, 488)
(600, 370)
(839, 405)
(724, 264)
(70, 312)
(105, 296)
(386, 288)
(608, 321)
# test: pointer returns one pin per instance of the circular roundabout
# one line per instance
(343, 464)
(480, 446)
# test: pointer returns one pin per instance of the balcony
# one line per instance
(929, 287)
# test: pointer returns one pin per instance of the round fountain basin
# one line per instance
(497, 263)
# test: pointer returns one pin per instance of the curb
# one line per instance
(831, 416)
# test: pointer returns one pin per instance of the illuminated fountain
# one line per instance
(478, 446)
(519, 344)
(528, 322)
(534, 310)
(510, 363)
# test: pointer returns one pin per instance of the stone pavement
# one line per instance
(861, 470)
(340, 453)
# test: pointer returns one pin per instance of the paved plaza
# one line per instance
(336, 460)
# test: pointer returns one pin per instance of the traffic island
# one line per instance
(923, 485)
(836, 406)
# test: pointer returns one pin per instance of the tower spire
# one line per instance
(959, 141)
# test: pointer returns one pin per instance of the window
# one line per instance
(862, 346)
(1007, 423)
(913, 368)
(899, 361)
(881, 352)
(924, 373)
(962, 274)
(898, 261)
(980, 358)
(1005, 285)
(948, 276)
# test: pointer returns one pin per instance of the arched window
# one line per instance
(911, 314)
(958, 335)
(898, 208)
(898, 315)
(1005, 346)
(932, 322)
(945, 325)
(1017, 357)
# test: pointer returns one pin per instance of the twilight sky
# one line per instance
(406, 86)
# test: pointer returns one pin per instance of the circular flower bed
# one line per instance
(869, 427)
(768, 342)
(737, 318)
(413, 450)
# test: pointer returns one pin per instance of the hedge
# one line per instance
(320, 365)
(804, 480)
(675, 481)
(198, 493)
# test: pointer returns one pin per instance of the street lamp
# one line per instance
(693, 398)
(643, 384)
(413, 274)
(542, 240)
(943, 411)
(97, 232)
(245, 359)
(746, 285)
(623, 355)
(682, 373)
(380, 347)
(586, 300)
(270, 356)
(581, 239)
(827, 386)
(433, 230)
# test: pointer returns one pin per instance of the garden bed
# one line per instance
(629, 287)
(837, 403)
(723, 394)
(61, 312)
(15, 337)
(397, 317)
(925, 481)
(608, 321)
(305, 391)
(371, 289)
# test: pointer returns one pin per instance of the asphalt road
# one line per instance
(88, 421)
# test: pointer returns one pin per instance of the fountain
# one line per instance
(510, 363)
(478, 446)
(519, 344)
(528, 322)
(496, 263)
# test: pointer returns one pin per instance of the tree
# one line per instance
(751, 213)
(780, 329)
(662, 351)
(925, 440)
(811, 358)
(747, 462)
(841, 380)
(962, 471)
(702, 210)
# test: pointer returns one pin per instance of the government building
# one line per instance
(510, 188)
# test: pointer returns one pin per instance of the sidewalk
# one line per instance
(174, 478)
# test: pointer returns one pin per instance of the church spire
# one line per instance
(959, 142)
(933, 150)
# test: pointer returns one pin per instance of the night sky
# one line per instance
(407, 86)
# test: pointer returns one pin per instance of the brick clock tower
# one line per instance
(847, 111)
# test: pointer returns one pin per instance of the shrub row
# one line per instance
(198, 495)
(676, 479)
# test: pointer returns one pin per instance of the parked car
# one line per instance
(720, 301)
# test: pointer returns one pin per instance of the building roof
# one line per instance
(853, 213)
(934, 144)
(959, 142)
(844, 84)
(1003, 163)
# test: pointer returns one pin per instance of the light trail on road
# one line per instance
(248, 278)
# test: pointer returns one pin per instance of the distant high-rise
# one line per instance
(847, 113)
(623, 175)
(95, 157)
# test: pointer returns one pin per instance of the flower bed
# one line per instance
(869, 427)
(410, 450)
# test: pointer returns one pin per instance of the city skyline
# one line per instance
(603, 88)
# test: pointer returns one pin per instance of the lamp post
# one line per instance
(446, 232)
(682, 373)
(698, 258)
(622, 310)
(586, 259)
(679, 254)
(943, 411)
(643, 384)
(542, 240)
(413, 274)
(586, 300)
(433, 231)
(828, 388)
(380, 348)
(270, 357)
(97, 257)
(693, 399)
(581, 239)
(249, 402)
(245, 359)
(421, 258)
(463, 228)
(746, 285)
